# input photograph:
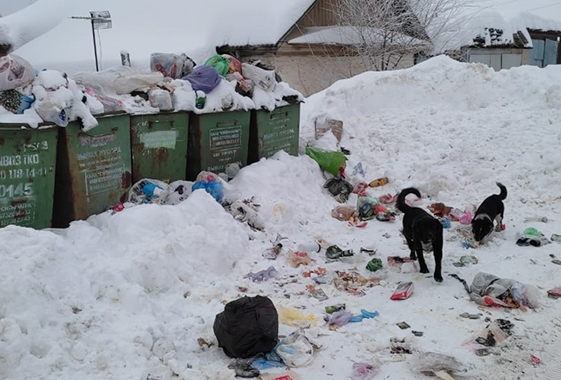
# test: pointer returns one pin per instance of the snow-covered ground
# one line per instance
(119, 296)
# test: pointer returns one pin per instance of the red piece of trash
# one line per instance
(535, 359)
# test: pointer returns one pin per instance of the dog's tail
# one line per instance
(503, 193)
(400, 203)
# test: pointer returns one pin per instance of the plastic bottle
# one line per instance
(309, 247)
(201, 100)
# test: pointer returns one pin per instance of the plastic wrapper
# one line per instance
(296, 350)
(263, 275)
(490, 290)
(149, 191)
(429, 363)
(211, 183)
(295, 318)
(118, 80)
(295, 259)
(344, 213)
(15, 72)
(15, 101)
(363, 371)
(265, 79)
(178, 192)
(339, 319)
(171, 65)
(160, 99)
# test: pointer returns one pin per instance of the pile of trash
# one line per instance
(45, 96)
(175, 83)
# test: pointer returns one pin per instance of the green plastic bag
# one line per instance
(374, 265)
(328, 160)
(219, 63)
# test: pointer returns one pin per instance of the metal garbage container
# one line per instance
(217, 140)
(159, 146)
(27, 174)
(273, 131)
(93, 168)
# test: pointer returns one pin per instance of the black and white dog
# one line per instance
(492, 209)
(422, 232)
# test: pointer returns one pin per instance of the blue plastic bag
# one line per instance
(211, 183)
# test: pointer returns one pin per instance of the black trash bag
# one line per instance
(247, 327)
(339, 187)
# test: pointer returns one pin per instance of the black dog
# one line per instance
(490, 210)
(422, 232)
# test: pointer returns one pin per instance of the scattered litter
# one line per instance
(489, 290)
(359, 169)
(374, 265)
(338, 319)
(246, 211)
(370, 251)
(334, 308)
(482, 352)
(556, 261)
(360, 189)
(290, 375)
(403, 291)
(466, 261)
(556, 238)
(369, 208)
(148, 191)
(445, 221)
(295, 259)
(440, 209)
(554, 293)
(296, 350)
(211, 183)
(364, 314)
(335, 253)
(464, 217)
(268, 361)
(344, 213)
(379, 182)
(244, 368)
(496, 332)
(320, 272)
(397, 261)
(352, 281)
(117, 208)
(323, 125)
(274, 252)
(535, 360)
(531, 237)
(431, 363)
(203, 343)
(319, 294)
(388, 199)
(470, 316)
(542, 219)
(400, 346)
(263, 275)
(403, 325)
(363, 371)
(295, 318)
(339, 187)
(417, 333)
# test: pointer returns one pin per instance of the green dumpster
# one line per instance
(217, 140)
(159, 146)
(93, 168)
(27, 175)
(273, 131)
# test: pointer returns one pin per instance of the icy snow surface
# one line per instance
(119, 296)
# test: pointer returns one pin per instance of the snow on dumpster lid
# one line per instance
(141, 27)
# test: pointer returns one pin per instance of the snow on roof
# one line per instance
(343, 35)
(512, 18)
(142, 27)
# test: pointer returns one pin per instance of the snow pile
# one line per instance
(111, 295)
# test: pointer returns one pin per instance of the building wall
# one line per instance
(313, 73)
